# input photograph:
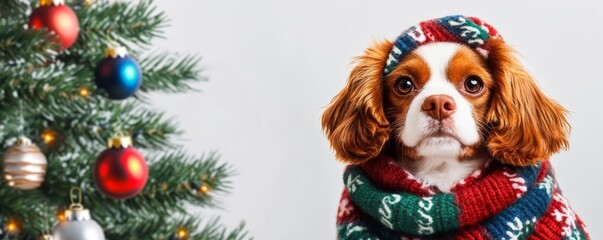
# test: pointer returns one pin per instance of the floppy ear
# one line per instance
(354, 122)
(527, 126)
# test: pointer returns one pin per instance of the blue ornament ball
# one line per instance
(120, 77)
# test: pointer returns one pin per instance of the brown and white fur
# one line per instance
(443, 112)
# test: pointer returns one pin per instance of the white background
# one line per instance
(273, 65)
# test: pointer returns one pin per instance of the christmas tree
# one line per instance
(73, 75)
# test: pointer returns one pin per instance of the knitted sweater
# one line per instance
(383, 201)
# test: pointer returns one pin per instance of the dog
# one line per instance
(443, 112)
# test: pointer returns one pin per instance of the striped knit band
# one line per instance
(470, 31)
(381, 200)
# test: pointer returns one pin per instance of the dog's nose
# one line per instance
(439, 106)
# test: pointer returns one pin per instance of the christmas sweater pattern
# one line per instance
(383, 201)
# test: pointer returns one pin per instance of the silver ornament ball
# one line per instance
(24, 165)
(78, 226)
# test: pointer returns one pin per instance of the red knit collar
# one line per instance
(388, 175)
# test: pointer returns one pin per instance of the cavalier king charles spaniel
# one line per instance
(447, 136)
(444, 111)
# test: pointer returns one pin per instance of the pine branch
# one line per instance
(130, 24)
(213, 230)
(29, 208)
(48, 84)
(16, 47)
(193, 179)
(171, 185)
(12, 9)
(159, 228)
(167, 73)
(88, 123)
(133, 24)
(43, 71)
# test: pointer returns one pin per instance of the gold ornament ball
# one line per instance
(24, 165)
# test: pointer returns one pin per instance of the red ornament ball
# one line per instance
(120, 172)
(59, 19)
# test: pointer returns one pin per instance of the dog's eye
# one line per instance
(404, 85)
(473, 84)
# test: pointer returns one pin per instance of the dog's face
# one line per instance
(437, 99)
(444, 99)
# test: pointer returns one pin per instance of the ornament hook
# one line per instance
(120, 141)
(76, 203)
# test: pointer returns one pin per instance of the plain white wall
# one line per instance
(273, 65)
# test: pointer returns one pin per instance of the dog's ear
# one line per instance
(354, 122)
(527, 126)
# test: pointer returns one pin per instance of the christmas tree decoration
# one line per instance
(61, 215)
(12, 227)
(47, 237)
(48, 136)
(57, 18)
(84, 92)
(180, 234)
(78, 224)
(24, 165)
(52, 73)
(118, 74)
(204, 189)
(120, 172)
(201, 189)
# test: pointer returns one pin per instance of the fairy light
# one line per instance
(48, 137)
(46, 88)
(12, 226)
(182, 233)
(204, 188)
(61, 216)
(84, 92)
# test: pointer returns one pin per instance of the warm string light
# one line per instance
(204, 189)
(12, 226)
(61, 215)
(182, 233)
(48, 137)
(84, 92)
(46, 88)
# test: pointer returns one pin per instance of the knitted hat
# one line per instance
(470, 31)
